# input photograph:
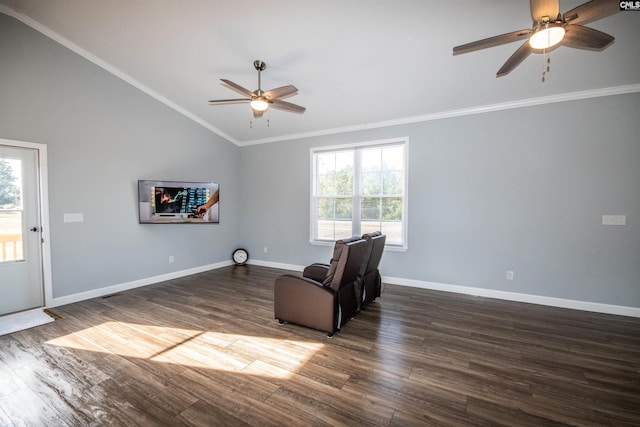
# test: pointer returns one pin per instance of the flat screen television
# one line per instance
(171, 202)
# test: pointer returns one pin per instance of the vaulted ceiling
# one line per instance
(356, 63)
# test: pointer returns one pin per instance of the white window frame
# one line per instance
(356, 196)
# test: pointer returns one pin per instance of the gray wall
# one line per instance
(521, 190)
(102, 135)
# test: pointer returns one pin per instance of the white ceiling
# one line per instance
(356, 63)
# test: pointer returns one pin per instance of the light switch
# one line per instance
(614, 220)
(73, 217)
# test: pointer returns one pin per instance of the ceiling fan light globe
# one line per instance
(546, 36)
(259, 104)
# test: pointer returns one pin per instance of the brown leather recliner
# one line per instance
(369, 283)
(328, 304)
(371, 279)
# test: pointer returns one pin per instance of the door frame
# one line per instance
(43, 199)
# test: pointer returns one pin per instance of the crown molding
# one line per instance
(529, 102)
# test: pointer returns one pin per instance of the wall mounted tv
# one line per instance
(171, 202)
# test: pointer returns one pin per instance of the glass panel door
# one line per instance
(21, 277)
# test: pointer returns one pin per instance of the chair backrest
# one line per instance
(375, 243)
(348, 256)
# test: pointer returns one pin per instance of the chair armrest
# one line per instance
(316, 271)
(305, 302)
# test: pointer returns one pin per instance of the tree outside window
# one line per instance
(9, 190)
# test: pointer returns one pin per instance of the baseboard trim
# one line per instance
(490, 293)
(465, 290)
(95, 293)
(277, 265)
(518, 297)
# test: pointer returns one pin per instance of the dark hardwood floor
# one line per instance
(205, 350)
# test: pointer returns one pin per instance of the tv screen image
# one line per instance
(162, 202)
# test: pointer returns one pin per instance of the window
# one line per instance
(358, 189)
(11, 210)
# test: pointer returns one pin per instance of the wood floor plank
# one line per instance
(5, 421)
(206, 350)
(205, 415)
(489, 413)
(431, 417)
(9, 381)
(411, 397)
(227, 402)
(24, 407)
(309, 408)
(116, 404)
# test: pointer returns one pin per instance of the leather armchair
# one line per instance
(369, 283)
(325, 304)
(371, 280)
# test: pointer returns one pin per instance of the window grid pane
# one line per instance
(326, 185)
(392, 183)
(11, 210)
(391, 208)
(371, 159)
(394, 231)
(371, 183)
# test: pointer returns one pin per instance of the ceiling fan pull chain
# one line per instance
(544, 69)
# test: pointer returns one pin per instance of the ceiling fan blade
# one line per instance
(281, 92)
(228, 101)
(515, 59)
(287, 106)
(591, 11)
(491, 41)
(580, 37)
(237, 88)
(540, 8)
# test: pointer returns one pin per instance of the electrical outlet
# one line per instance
(614, 220)
(265, 250)
(74, 217)
(509, 275)
(171, 259)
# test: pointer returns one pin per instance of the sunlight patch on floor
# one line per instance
(246, 354)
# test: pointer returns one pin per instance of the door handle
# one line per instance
(33, 229)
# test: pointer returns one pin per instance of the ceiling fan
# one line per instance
(551, 28)
(259, 100)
